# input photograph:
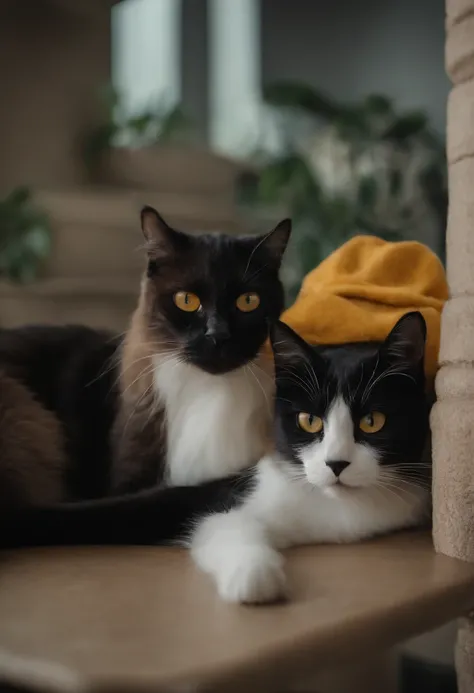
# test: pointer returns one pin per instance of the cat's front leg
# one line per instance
(234, 549)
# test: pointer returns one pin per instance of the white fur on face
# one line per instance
(338, 444)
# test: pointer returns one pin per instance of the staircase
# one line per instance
(93, 274)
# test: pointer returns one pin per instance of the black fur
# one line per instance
(386, 377)
(153, 516)
(72, 371)
(218, 268)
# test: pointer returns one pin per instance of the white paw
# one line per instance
(256, 577)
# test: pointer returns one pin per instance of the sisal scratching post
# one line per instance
(453, 415)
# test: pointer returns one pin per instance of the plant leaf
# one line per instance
(298, 95)
(406, 126)
(25, 236)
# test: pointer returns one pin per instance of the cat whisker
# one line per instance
(149, 390)
(421, 468)
(143, 373)
(118, 336)
(246, 280)
(147, 357)
(313, 377)
(299, 380)
(283, 399)
(421, 471)
(354, 394)
(414, 470)
(364, 394)
(244, 476)
(421, 483)
(414, 481)
(261, 241)
(262, 372)
(392, 490)
(248, 368)
(412, 464)
(135, 407)
(113, 363)
(389, 372)
(397, 484)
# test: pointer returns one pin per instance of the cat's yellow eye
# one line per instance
(248, 302)
(373, 422)
(187, 301)
(310, 423)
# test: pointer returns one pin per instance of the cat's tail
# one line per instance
(155, 516)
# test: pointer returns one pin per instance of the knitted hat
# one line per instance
(360, 291)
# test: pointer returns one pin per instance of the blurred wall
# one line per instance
(346, 47)
(53, 57)
(194, 54)
(352, 47)
(146, 53)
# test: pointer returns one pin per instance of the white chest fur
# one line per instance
(216, 424)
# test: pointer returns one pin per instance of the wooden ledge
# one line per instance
(143, 619)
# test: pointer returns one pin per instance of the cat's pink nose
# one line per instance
(337, 466)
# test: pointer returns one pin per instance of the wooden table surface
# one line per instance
(144, 619)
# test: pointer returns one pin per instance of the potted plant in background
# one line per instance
(25, 237)
(156, 148)
(343, 169)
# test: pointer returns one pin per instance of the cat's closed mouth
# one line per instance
(339, 487)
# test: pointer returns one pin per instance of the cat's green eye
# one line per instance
(372, 422)
(248, 302)
(310, 423)
(187, 301)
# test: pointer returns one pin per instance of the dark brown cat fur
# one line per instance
(139, 444)
(32, 448)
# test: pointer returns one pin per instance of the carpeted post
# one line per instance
(453, 414)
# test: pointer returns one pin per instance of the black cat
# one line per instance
(181, 399)
(350, 426)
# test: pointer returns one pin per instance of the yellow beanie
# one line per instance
(360, 291)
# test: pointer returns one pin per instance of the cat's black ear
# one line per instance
(276, 241)
(160, 238)
(405, 345)
(288, 347)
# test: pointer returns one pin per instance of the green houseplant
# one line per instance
(25, 237)
(132, 148)
(156, 149)
(153, 124)
(343, 169)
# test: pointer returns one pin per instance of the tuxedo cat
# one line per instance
(183, 398)
(350, 427)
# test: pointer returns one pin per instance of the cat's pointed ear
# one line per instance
(276, 241)
(288, 347)
(405, 345)
(160, 238)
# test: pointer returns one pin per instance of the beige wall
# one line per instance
(53, 58)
